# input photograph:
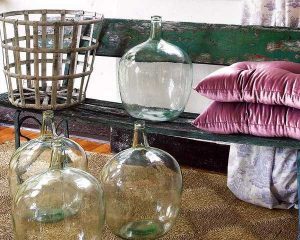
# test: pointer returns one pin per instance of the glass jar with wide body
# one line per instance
(61, 203)
(155, 78)
(34, 156)
(142, 187)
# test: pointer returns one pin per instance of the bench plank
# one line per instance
(113, 114)
(206, 43)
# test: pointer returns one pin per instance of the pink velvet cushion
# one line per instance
(276, 82)
(250, 118)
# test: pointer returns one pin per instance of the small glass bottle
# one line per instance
(33, 157)
(155, 78)
(142, 189)
(61, 203)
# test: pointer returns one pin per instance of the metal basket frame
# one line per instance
(29, 37)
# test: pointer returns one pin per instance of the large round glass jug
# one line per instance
(61, 203)
(155, 78)
(142, 190)
(33, 157)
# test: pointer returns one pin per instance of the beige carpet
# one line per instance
(209, 210)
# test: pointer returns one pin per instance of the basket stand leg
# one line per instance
(66, 128)
(18, 121)
(17, 128)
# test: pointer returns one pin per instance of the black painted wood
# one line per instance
(112, 114)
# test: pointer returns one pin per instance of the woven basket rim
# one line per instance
(97, 17)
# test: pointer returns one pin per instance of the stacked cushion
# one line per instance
(250, 118)
(258, 98)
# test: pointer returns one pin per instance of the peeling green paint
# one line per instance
(289, 46)
(206, 43)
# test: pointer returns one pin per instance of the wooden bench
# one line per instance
(206, 44)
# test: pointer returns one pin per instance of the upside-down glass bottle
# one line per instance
(142, 188)
(61, 203)
(155, 78)
(33, 157)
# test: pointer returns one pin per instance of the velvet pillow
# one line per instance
(250, 118)
(276, 82)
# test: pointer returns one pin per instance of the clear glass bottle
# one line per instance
(155, 78)
(61, 203)
(33, 157)
(142, 189)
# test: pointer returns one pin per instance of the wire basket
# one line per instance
(48, 56)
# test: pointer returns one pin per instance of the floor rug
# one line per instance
(209, 210)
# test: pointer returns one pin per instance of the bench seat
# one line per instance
(114, 115)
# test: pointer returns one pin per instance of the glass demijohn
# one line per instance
(142, 189)
(33, 157)
(61, 203)
(155, 78)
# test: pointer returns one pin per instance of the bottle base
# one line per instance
(153, 114)
(53, 215)
(144, 229)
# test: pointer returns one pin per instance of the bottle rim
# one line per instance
(48, 113)
(156, 18)
(139, 124)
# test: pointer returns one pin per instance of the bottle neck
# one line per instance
(48, 126)
(58, 157)
(156, 28)
(140, 136)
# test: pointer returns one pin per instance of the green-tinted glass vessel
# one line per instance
(34, 156)
(61, 203)
(142, 188)
(155, 78)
